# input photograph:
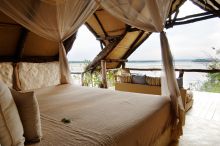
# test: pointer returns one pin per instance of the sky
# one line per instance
(190, 41)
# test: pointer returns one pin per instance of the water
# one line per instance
(191, 80)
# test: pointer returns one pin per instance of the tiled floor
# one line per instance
(202, 121)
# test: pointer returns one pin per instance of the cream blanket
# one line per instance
(101, 117)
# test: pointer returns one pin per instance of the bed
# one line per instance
(102, 117)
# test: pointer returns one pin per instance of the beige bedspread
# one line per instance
(101, 116)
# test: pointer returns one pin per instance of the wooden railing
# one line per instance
(181, 72)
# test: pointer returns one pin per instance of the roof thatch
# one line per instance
(19, 44)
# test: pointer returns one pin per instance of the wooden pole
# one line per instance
(82, 77)
(103, 66)
(181, 73)
(123, 65)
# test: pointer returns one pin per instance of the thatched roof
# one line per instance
(128, 39)
(19, 44)
(118, 39)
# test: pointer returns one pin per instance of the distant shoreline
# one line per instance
(147, 61)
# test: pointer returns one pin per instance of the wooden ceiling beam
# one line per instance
(205, 4)
(5, 24)
(104, 53)
(193, 18)
(94, 33)
(91, 29)
(39, 59)
(99, 22)
(133, 29)
(20, 44)
(176, 8)
(109, 37)
(24, 32)
(32, 59)
(215, 3)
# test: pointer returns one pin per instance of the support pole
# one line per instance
(123, 65)
(103, 66)
(82, 78)
(181, 73)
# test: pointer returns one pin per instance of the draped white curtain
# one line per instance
(150, 15)
(58, 19)
(55, 20)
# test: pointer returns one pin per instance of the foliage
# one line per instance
(93, 79)
(110, 78)
(212, 84)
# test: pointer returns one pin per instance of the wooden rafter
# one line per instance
(116, 60)
(196, 17)
(5, 24)
(94, 33)
(215, 3)
(207, 6)
(105, 52)
(171, 21)
(100, 24)
(134, 43)
(24, 32)
(133, 29)
(39, 59)
(193, 18)
(108, 37)
(171, 11)
(91, 29)
(33, 59)
(20, 44)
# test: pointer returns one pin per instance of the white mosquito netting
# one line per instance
(58, 19)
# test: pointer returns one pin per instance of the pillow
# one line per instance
(153, 81)
(11, 129)
(123, 79)
(28, 109)
(180, 82)
(138, 79)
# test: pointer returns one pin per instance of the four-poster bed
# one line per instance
(103, 117)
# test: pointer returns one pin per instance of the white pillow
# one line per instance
(11, 129)
(29, 112)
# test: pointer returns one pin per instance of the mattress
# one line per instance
(101, 116)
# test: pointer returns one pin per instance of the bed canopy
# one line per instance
(43, 29)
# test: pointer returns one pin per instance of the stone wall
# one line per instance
(6, 72)
(38, 75)
(32, 75)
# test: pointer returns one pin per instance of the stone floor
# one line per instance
(202, 126)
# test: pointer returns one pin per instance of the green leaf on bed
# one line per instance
(65, 120)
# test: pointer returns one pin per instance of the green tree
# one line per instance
(212, 84)
(93, 79)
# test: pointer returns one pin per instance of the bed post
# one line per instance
(103, 66)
